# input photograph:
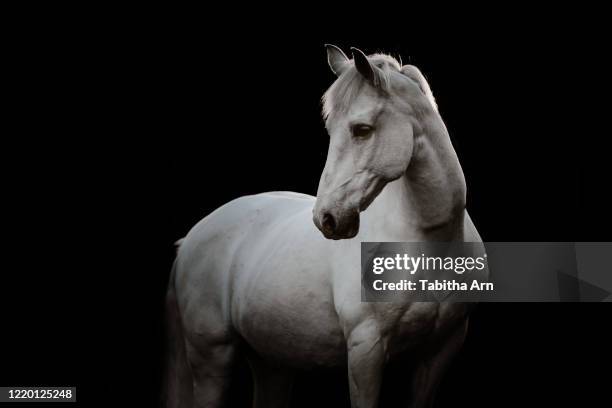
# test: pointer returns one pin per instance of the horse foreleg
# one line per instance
(272, 384)
(366, 358)
(430, 370)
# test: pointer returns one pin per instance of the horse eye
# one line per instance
(362, 130)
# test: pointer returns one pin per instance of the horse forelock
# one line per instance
(343, 92)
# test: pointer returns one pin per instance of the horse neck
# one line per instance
(428, 202)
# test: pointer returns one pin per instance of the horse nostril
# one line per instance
(329, 223)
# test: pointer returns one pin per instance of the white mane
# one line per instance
(345, 89)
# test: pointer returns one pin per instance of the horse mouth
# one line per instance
(334, 227)
(350, 234)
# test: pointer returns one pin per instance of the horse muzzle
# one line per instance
(337, 223)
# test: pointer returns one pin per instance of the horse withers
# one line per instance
(257, 278)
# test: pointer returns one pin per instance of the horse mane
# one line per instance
(345, 89)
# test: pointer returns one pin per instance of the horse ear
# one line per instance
(336, 59)
(415, 74)
(364, 67)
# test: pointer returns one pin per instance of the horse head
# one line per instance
(372, 114)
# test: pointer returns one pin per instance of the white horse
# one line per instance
(256, 277)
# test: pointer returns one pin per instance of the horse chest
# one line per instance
(417, 324)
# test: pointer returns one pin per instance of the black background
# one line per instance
(127, 141)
